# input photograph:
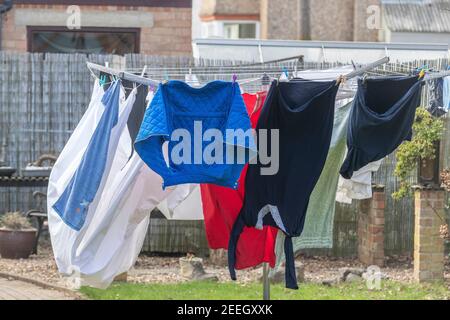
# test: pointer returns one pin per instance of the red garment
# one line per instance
(221, 207)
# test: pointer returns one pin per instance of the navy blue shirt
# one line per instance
(303, 112)
(381, 119)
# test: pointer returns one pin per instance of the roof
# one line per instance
(417, 16)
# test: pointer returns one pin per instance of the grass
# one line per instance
(232, 291)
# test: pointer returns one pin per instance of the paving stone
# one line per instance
(19, 290)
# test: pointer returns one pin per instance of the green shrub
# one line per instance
(427, 130)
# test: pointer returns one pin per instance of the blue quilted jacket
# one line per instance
(195, 123)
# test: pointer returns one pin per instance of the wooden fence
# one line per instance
(42, 98)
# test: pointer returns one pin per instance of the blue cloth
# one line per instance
(381, 119)
(218, 106)
(446, 93)
(303, 112)
(436, 97)
(73, 204)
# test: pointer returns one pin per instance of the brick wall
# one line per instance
(331, 20)
(280, 19)
(170, 33)
(428, 245)
(371, 229)
(327, 20)
(229, 7)
(361, 31)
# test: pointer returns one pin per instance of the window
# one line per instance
(90, 40)
(239, 30)
(230, 29)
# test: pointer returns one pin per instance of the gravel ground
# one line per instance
(152, 269)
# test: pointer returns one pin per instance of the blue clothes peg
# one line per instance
(102, 80)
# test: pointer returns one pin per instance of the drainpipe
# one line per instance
(305, 20)
(5, 7)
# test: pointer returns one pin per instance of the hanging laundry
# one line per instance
(81, 169)
(303, 112)
(184, 203)
(446, 93)
(114, 240)
(110, 242)
(192, 80)
(381, 119)
(436, 97)
(138, 110)
(318, 228)
(221, 207)
(319, 221)
(217, 107)
(73, 204)
(359, 186)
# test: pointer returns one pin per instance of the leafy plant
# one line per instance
(444, 229)
(427, 130)
(445, 176)
(14, 221)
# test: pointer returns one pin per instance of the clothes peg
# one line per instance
(234, 78)
(265, 80)
(286, 72)
(365, 79)
(422, 71)
(102, 80)
(340, 80)
(421, 74)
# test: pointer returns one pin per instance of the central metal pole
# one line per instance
(266, 282)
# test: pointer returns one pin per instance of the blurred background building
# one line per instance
(419, 21)
(107, 26)
(168, 26)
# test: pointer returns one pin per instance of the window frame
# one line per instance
(219, 27)
(241, 22)
(34, 29)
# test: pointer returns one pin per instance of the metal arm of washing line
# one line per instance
(123, 74)
(437, 75)
(366, 68)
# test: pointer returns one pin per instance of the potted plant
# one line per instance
(17, 236)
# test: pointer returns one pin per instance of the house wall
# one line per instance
(163, 30)
(280, 19)
(210, 8)
(364, 10)
(327, 20)
(332, 20)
